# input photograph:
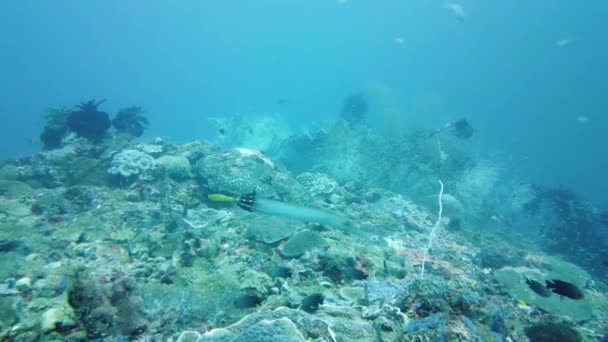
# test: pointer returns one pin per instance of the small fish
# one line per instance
(311, 303)
(399, 40)
(564, 288)
(247, 301)
(538, 288)
(222, 131)
(582, 119)
(83, 237)
(280, 272)
(456, 9)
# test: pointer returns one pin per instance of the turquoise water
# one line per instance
(502, 67)
(331, 105)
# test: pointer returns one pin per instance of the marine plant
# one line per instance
(55, 127)
(87, 121)
(130, 120)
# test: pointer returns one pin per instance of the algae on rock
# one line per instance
(303, 242)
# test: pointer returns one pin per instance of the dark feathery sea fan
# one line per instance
(55, 127)
(88, 121)
(354, 108)
(131, 121)
(461, 129)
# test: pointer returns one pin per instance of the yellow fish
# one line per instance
(221, 198)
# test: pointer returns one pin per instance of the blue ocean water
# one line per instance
(329, 112)
(503, 68)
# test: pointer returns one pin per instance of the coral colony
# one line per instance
(336, 234)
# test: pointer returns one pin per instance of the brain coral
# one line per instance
(242, 170)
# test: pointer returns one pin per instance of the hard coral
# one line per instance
(88, 121)
(107, 310)
(130, 162)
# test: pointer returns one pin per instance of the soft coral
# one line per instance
(88, 121)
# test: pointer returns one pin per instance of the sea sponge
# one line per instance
(130, 162)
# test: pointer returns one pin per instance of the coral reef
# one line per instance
(153, 259)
